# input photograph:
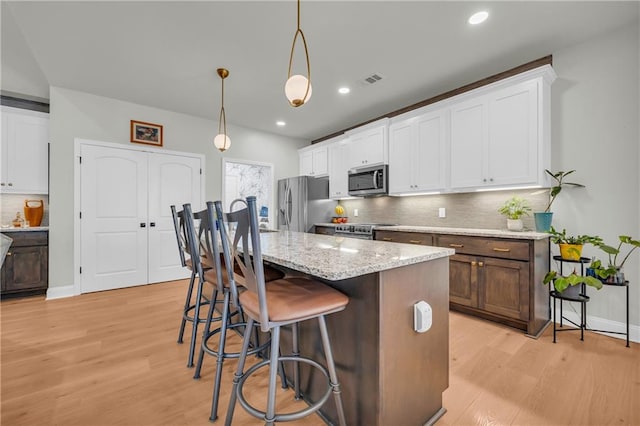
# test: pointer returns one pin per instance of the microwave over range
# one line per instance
(369, 181)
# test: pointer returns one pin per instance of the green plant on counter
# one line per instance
(561, 282)
(515, 207)
(560, 183)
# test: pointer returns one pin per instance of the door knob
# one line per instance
(143, 225)
(152, 224)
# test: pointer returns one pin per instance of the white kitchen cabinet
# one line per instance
(338, 169)
(417, 154)
(24, 152)
(497, 140)
(368, 145)
(314, 161)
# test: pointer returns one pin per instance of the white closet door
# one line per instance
(114, 208)
(173, 180)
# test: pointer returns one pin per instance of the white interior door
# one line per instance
(114, 208)
(173, 180)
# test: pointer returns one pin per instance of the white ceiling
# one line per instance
(164, 54)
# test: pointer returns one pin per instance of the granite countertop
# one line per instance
(31, 228)
(337, 258)
(474, 232)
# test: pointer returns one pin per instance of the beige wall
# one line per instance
(81, 115)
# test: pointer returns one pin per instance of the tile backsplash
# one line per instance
(13, 203)
(468, 210)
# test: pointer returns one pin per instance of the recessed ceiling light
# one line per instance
(280, 123)
(344, 90)
(478, 17)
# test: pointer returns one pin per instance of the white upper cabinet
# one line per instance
(314, 161)
(338, 170)
(417, 154)
(368, 145)
(500, 137)
(24, 153)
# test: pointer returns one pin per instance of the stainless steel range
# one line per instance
(363, 231)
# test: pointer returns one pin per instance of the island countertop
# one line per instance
(337, 258)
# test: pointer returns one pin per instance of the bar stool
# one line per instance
(283, 302)
(219, 276)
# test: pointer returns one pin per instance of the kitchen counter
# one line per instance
(389, 374)
(477, 232)
(28, 229)
(337, 258)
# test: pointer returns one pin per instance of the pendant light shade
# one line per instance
(298, 87)
(222, 141)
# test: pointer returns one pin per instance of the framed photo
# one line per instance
(147, 133)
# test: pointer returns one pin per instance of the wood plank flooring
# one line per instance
(111, 358)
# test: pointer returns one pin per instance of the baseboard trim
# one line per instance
(597, 323)
(60, 292)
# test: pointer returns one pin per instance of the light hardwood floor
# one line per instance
(111, 358)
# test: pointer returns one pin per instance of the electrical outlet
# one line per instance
(442, 212)
(355, 212)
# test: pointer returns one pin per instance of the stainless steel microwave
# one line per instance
(367, 181)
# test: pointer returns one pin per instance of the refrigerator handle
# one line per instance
(288, 207)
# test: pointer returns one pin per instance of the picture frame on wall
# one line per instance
(146, 133)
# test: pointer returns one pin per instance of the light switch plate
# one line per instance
(442, 212)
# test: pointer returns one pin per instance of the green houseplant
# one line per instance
(617, 256)
(564, 282)
(571, 245)
(514, 208)
(543, 219)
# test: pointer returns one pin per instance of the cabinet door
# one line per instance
(320, 160)
(430, 156)
(513, 135)
(401, 157)
(504, 287)
(468, 144)
(338, 171)
(463, 280)
(306, 163)
(368, 147)
(25, 268)
(25, 152)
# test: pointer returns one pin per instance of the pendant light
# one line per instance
(222, 141)
(298, 87)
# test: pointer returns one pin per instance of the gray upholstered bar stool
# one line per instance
(191, 308)
(219, 276)
(283, 302)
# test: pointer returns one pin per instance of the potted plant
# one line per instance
(568, 285)
(514, 208)
(570, 245)
(543, 219)
(614, 273)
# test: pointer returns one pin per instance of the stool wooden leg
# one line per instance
(187, 303)
(238, 375)
(270, 414)
(335, 385)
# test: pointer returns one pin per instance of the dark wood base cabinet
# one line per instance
(498, 279)
(26, 267)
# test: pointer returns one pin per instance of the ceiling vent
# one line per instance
(371, 79)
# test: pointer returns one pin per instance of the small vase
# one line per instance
(514, 224)
(573, 291)
(570, 251)
(617, 278)
(543, 221)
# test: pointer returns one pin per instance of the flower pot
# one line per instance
(573, 291)
(570, 251)
(514, 224)
(543, 221)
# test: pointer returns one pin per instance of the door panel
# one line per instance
(173, 180)
(463, 287)
(113, 205)
(504, 288)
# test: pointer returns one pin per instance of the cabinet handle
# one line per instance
(501, 250)
(10, 184)
(387, 239)
(456, 245)
(473, 263)
(415, 241)
(9, 253)
(2, 184)
(481, 264)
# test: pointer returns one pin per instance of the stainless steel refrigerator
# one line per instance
(302, 202)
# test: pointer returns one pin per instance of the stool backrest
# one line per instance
(245, 229)
(203, 243)
(181, 237)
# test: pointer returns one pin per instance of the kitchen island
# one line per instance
(389, 373)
